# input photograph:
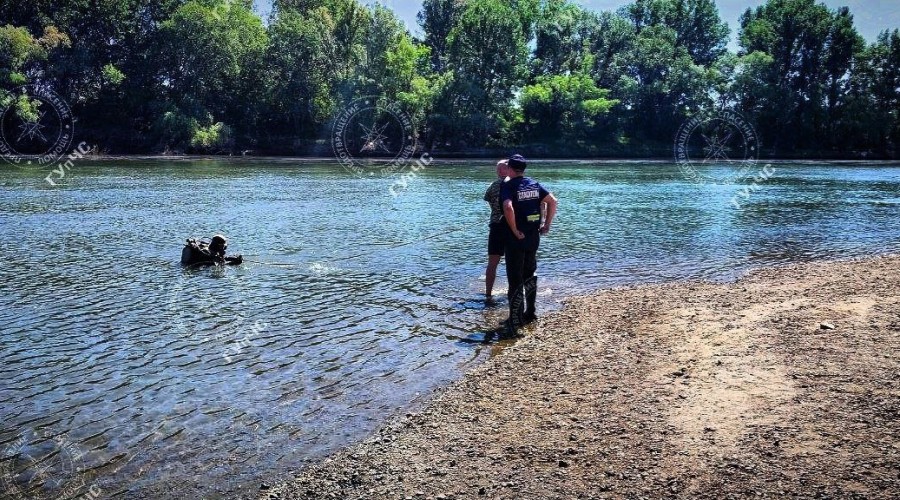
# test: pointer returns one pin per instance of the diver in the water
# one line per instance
(200, 252)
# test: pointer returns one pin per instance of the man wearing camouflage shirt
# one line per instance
(498, 229)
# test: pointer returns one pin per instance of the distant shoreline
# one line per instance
(781, 383)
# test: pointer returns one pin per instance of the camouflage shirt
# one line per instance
(492, 196)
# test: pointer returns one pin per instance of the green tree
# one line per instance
(798, 96)
(528, 12)
(564, 34)
(22, 55)
(843, 44)
(697, 25)
(391, 56)
(211, 53)
(661, 59)
(487, 57)
(103, 33)
(302, 51)
(564, 109)
(437, 19)
(351, 24)
(611, 44)
(208, 75)
(663, 85)
(873, 99)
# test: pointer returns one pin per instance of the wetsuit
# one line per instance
(199, 253)
(498, 229)
(521, 255)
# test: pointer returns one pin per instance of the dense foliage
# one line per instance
(547, 76)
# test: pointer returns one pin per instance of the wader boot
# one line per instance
(516, 309)
(530, 298)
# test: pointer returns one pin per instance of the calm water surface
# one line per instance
(160, 381)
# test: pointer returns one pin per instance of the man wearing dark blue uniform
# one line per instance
(522, 199)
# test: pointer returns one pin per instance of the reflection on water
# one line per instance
(352, 305)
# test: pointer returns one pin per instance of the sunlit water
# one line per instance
(155, 380)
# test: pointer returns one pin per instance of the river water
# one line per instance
(126, 374)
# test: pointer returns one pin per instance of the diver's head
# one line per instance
(502, 169)
(218, 244)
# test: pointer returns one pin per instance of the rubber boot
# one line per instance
(516, 307)
(530, 299)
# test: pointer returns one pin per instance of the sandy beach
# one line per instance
(784, 383)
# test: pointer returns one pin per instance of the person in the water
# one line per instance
(522, 198)
(497, 229)
(199, 252)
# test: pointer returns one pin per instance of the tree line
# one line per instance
(547, 76)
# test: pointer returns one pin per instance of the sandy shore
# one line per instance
(785, 383)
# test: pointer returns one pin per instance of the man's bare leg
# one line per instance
(490, 274)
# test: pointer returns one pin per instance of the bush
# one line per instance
(215, 137)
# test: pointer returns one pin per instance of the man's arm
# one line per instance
(550, 201)
(509, 213)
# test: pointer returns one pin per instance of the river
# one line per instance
(124, 372)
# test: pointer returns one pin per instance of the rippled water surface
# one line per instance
(160, 381)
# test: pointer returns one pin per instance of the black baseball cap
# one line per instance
(517, 162)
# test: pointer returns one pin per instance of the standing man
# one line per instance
(497, 232)
(522, 198)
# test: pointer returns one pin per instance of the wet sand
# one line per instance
(784, 383)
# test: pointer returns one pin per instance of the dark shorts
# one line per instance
(497, 238)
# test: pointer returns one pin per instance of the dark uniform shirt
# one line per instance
(526, 195)
(492, 196)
